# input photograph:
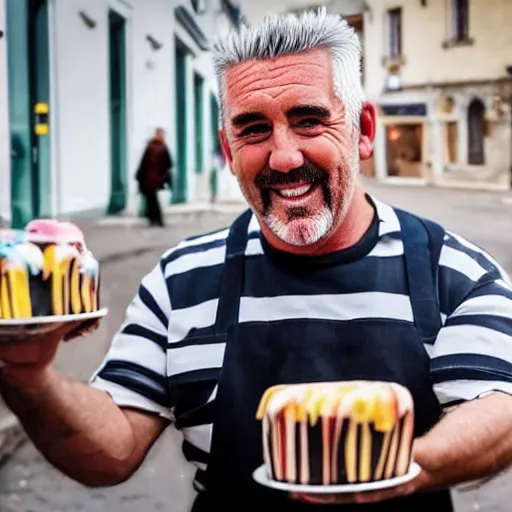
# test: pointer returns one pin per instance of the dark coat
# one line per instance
(154, 168)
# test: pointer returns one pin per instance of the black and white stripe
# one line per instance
(166, 342)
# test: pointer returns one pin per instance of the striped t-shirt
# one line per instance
(153, 363)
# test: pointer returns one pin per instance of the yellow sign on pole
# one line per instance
(41, 110)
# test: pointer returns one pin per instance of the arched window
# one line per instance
(476, 122)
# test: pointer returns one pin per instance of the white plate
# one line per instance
(261, 476)
(54, 319)
(18, 329)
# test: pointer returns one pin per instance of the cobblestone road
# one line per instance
(28, 484)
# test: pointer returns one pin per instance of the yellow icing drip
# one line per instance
(94, 298)
(86, 295)
(4, 297)
(20, 293)
(321, 400)
(269, 393)
(49, 261)
(363, 410)
(351, 453)
(386, 410)
(365, 456)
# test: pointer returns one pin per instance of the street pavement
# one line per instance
(127, 251)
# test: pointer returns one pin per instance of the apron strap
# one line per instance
(232, 274)
(423, 241)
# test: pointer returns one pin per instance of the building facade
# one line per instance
(440, 73)
(83, 85)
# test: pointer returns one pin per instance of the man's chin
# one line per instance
(301, 232)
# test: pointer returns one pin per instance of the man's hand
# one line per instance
(25, 361)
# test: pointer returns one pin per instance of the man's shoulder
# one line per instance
(195, 251)
(458, 253)
(469, 258)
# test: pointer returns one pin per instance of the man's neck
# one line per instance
(355, 224)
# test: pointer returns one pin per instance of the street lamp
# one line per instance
(509, 72)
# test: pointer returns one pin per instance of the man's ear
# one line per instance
(367, 131)
(225, 149)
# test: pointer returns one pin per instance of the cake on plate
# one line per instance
(333, 433)
(47, 270)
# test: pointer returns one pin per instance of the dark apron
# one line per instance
(261, 354)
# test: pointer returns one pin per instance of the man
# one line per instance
(319, 282)
(153, 174)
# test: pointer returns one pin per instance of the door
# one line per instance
(117, 77)
(179, 193)
(198, 115)
(476, 126)
(452, 138)
(214, 129)
(29, 93)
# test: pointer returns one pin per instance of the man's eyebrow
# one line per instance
(308, 110)
(246, 118)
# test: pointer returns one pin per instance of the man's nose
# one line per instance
(285, 154)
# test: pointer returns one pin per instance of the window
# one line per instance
(395, 32)
(460, 20)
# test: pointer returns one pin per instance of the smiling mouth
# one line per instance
(294, 192)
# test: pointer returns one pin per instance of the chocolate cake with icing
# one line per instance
(47, 270)
(336, 433)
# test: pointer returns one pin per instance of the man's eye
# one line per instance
(308, 123)
(255, 129)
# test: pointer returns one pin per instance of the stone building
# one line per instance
(440, 72)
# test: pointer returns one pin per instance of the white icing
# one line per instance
(404, 398)
(22, 254)
(281, 398)
(65, 252)
(31, 256)
(89, 265)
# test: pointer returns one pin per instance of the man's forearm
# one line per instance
(473, 441)
(77, 428)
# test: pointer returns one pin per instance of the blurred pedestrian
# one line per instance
(153, 174)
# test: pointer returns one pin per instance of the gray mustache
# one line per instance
(307, 173)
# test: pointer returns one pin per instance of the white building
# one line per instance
(108, 72)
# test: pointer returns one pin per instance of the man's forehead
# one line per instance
(317, 59)
(306, 73)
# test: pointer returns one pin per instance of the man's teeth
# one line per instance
(295, 192)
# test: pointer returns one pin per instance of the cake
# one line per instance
(46, 270)
(333, 433)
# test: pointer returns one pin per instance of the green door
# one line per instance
(117, 77)
(29, 86)
(198, 115)
(214, 130)
(179, 193)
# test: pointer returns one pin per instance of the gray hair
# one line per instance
(280, 35)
